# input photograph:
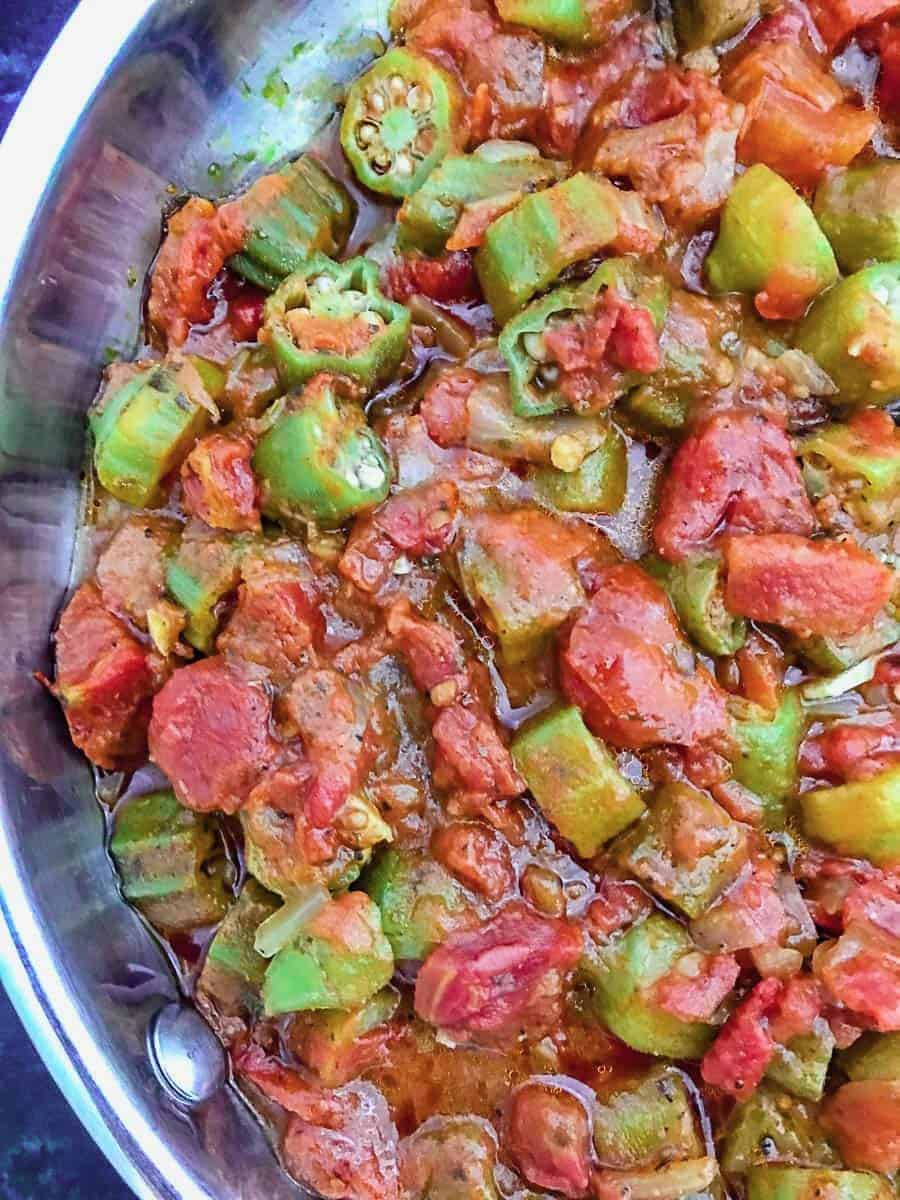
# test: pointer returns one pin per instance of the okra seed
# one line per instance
(535, 347)
(322, 283)
(404, 165)
(443, 694)
(548, 376)
(366, 133)
(372, 319)
(370, 475)
(382, 162)
(398, 88)
(377, 102)
(419, 99)
(567, 453)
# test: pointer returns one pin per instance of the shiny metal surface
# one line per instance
(189, 1060)
(137, 100)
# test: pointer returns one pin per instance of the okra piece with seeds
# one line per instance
(593, 483)
(420, 902)
(695, 589)
(320, 462)
(859, 210)
(302, 211)
(774, 1126)
(799, 1183)
(859, 462)
(331, 316)
(767, 747)
(402, 117)
(200, 575)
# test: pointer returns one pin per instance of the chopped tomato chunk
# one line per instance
(478, 856)
(219, 484)
(736, 474)
(617, 905)
(861, 970)
(210, 734)
(847, 750)
(105, 680)
(833, 589)
(446, 280)
(864, 1120)
(548, 1135)
(432, 652)
(693, 992)
(839, 19)
(505, 976)
(470, 747)
(627, 666)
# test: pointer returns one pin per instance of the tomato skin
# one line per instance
(736, 474)
(210, 734)
(219, 486)
(864, 1120)
(548, 1135)
(826, 588)
(889, 79)
(501, 977)
(845, 752)
(246, 307)
(446, 280)
(621, 664)
(105, 681)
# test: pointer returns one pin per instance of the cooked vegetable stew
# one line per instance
(490, 643)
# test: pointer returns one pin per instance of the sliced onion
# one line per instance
(497, 151)
(847, 681)
(668, 1183)
(299, 908)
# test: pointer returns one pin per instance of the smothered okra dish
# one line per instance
(490, 619)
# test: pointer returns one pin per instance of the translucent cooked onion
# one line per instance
(667, 1183)
(498, 151)
(295, 914)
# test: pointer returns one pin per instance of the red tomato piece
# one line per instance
(432, 652)
(861, 971)
(889, 79)
(547, 1132)
(246, 307)
(131, 571)
(876, 902)
(617, 905)
(445, 408)
(105, 681)
(626, 664)
(740, 1055)
(500, 978)
(218, 483)
(333, 724)
(798, 1008)
(848, 751)
(827, 588)
(864, 1120)
(837, 20)
(277, 619)
(760, 662)
(470, 747)
(446, 280)
(789, 23)
(697, 997)
(750, 914)
(736, 474)
(478, 856)
(210, 734)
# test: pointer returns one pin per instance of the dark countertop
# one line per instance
(44, 1150)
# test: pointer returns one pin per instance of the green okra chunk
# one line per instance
(835, 655)
(252, 383)
(575, 780)
(650, 1122)
(859, 463)
(452, 1158)
(538, 384)
(170, 863)
(463, 181)
(291, 215)
(421, 904)
(853, 333)
(144, 424)
(572, 22)
(597, 485)
(801, 1067)
(658, 850)
(859, 819)
(204, 571)
(700, 23)
(320, 461)
(273, 857)
(528, 248)
(874, 1056)
(811, 1183)
(401, 119)
(768, 747)
(859, 210)
(332, 1039)
(232, 976)
(330, 316)
(695, 589)
(770, 245)
(340, 960)
(622, 975)
(773, 1126)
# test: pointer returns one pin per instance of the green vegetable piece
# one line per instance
(859, 210)
(768, 748)
(144, 426)
(526, 249)
(273, 857)
(771, 246)
(203, 572)
(421, 904)
(860, 819)
(622, 975)
(232, 975)
(166, 857)
(572, 22)
(834, 656)
(687, 879)
(252, 383)
(853, 333)
(575, 780)
(654, 408)
(874, 1056)
(320, 461)
(695, 589)
(774, 1127)
(429, 218)
(597, 486)
(332, 1042)
(401, 119)
(649, 1123)
(798, 1183)
(700, 23)
(534, 377)
(860, 463)
(340, 961)
(332, 317)
(801, 1066)
(299, 211)
(451, 1158)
